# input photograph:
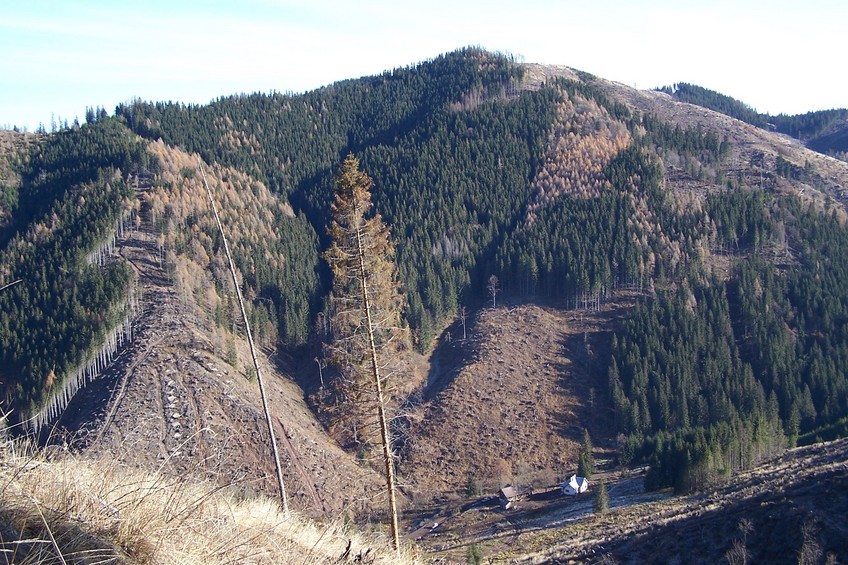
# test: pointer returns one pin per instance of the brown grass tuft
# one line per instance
(73, 510)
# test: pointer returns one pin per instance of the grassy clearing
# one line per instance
(67, 509)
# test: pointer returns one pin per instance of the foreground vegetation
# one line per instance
(64, 509)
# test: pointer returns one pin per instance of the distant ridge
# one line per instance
(825, 131)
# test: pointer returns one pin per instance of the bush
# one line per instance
(474, 555)
(471, 487)
(601, 504)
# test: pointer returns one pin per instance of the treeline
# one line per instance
(70, 198)
(700, 96)
(287, 140)
(813, 128)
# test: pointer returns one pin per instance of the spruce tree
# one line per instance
(586, 461)
(601, 504)
(365, 308)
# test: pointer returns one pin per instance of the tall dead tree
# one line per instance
(463, 315)
(273, 439)
(366, 306)
(4, 287)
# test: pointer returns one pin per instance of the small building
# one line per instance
(507, 496)
(575, 485)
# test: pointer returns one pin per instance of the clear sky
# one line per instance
(58, 57)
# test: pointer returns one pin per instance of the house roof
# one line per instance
(508, 493)
(576, 481)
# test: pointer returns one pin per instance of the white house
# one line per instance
(575, 485)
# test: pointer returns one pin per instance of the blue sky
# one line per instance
(56, 58)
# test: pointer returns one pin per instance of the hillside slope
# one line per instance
(785, 510)
(508, 405)
(179, 400)
(65, 509)
(753, 151)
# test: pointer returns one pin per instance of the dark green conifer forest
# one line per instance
(71, 195)
(813, 128)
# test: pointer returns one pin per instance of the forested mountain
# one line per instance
(566, 191)
(452, 161)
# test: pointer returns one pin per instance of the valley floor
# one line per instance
(792, 506)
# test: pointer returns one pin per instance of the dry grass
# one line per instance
(71, 510)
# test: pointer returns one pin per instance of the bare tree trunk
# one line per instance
(385, 437)
(10, 284)
(268, 420)
(320, 371)
(493, 289)
(463, 314)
